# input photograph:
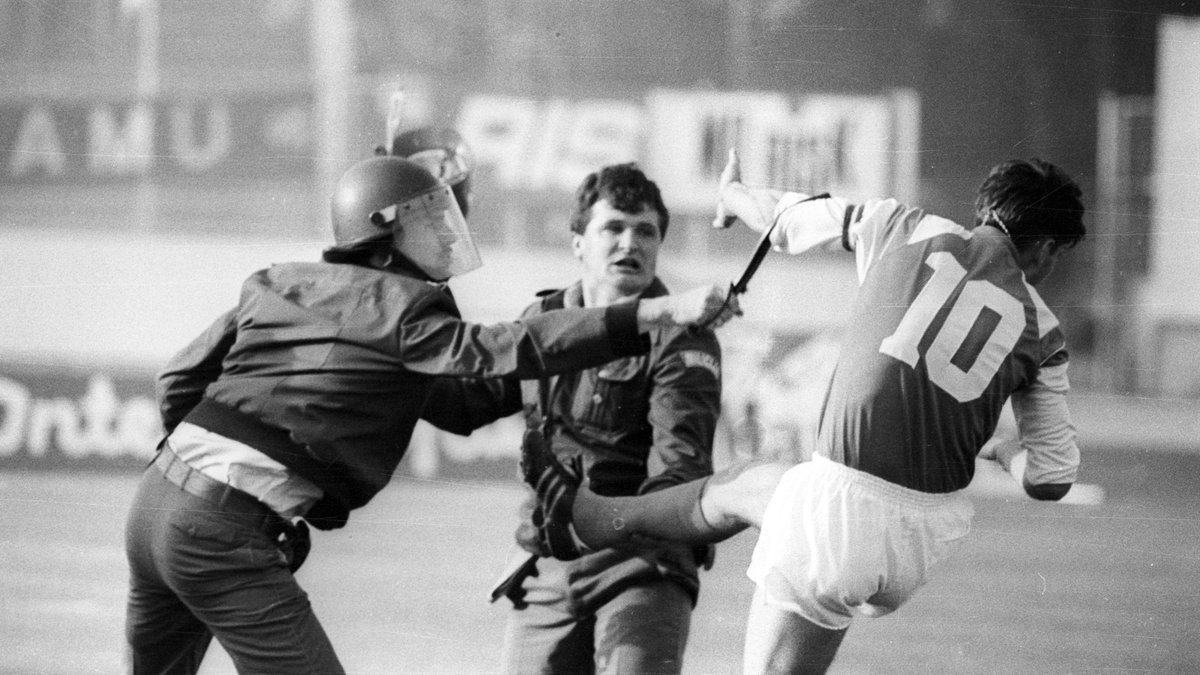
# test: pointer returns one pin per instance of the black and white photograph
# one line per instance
(599, 337)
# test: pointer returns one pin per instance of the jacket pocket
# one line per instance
(618, 402)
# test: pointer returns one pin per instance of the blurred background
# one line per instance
(154, 153)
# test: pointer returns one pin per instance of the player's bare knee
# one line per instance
(741, 492)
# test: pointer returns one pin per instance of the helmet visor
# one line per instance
(430, 230)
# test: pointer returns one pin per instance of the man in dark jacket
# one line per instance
(633, 425)
(301, 401)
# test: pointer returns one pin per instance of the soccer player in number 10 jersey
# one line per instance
(946, 327)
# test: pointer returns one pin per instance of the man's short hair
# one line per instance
(625, 187)
(1032, 199)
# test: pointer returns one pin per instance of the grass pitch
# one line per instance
(1109, 587)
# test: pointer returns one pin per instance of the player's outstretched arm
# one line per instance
(753, 206)
(796, 222)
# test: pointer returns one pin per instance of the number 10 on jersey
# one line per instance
(980, 331)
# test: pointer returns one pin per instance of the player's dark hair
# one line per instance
(1031, 200)
(625, 187)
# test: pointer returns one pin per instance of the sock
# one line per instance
(669, 515)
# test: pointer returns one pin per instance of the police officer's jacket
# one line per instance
(326, 368)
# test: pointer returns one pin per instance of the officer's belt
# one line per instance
(215, 492)
(332, 477)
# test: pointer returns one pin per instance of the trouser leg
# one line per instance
(264, 620)
(643, 630)
(545, 637)
(163, 635)
(229, 576)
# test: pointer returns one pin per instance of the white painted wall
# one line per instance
(1171, 296)
(1176, 241)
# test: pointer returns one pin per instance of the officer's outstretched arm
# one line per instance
(704, 305)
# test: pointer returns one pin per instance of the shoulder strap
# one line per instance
(550, 300)
(544, 404)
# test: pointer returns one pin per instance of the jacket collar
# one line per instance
(572, 296)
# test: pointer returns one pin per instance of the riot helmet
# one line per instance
(444, 153)
(388, 197)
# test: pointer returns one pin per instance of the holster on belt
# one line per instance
(295, 542)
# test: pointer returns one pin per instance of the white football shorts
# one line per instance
(836, 542)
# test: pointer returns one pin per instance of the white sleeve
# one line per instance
(1045, 429)
(804, 225)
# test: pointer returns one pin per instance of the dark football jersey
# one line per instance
(943, 330)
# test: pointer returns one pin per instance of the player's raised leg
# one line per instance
(700, 512)
(739, 494)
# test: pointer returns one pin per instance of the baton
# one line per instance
(760, 252)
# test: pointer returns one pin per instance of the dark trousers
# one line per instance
(642, 630)
(200, 568)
